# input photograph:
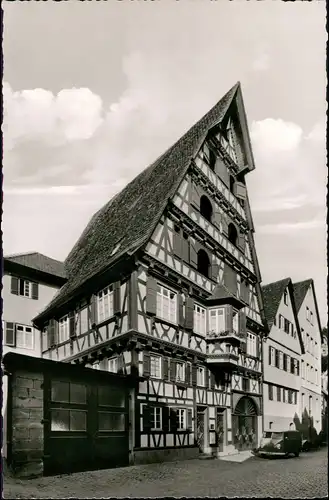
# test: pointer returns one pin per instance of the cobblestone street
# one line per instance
(302, 477)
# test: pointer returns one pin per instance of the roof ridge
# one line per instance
(21, 254)
(277, 281)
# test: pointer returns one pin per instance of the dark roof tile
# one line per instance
(272, 294)
(39, 262)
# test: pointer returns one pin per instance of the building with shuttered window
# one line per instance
(29, 282)
(282, 354)
(164, 286)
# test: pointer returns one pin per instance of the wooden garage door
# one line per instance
(86, 426)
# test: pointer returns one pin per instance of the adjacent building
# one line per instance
(30, 281)
(309, 321)
(282, 354)
(164, 286)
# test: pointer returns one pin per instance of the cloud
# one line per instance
(37, 114)
(275, 136)
(317, 135)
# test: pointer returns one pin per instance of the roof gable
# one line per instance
(39, 262)
(272, 294)
(300, 290)
(127, 221)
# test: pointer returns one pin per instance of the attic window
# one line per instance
(115, 249)
(205, 208)
(232, 234)
(232, 182)
(285, 297)
(203, 263)
(212, 159)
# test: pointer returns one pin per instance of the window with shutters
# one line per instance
(292, 365)
(285, 366)
(24, 288)
(180, 372)
(200, 320)
(203, 263)
(63, 329)
(290, 396)
(155, 366)
(206, 209)
(166, 304)
(156, 418)
(105, 303)
(24, 337)
(278, 394)
(113, 364)
(200, 376)
(277, 361)
(217, 320)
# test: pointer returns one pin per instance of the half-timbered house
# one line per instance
(164, 285)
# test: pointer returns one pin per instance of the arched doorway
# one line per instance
(244, 424)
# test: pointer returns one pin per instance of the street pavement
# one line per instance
(302, 477)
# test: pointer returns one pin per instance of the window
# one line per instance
(24, 288)
(155, 366)
(203, 263)
(271, 356)
(68, 420)
(307, 314)
(110, 421)
(200, 377)
(285, 362)
(113, 365)
(280, 321)
(292, 365)
(24, 337)
(290, 393)
(156, 418)
(245, 384)
(206, 208)
(270, 392)
(180, 372)
(291, 329)
(285, 297)
(232, 182)
(295, 398)
(251, 344)
(311, 317)
(283, 395)
(217, 320)
(281, 360)
(277, 358)
(181, 419)
(296, 367)
(199, 320)
(63, 329)
(235, 320)
(303, 369)
(105, 303)
(286, 326)
(278, 393)
(166, 304)
(232, 234)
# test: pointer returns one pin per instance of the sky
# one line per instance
(95, 91)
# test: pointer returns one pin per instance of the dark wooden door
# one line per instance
(85, 425)
(220, 428)
(244, 425)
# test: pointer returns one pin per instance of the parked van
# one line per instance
(280, 443)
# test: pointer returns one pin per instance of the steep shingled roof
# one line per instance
(131, 216)
(272, 294)
(39, 262)
(300, 290)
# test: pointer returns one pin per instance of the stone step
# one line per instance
(206, 456)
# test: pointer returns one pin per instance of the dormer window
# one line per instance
(206, 208)
(232, 234)
(203, 263)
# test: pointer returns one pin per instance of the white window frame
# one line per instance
(235, 320)
(200, 376)
(181, 419)
(27, 288)
(251, 344)
(200, 320)
(26, 331)
(169, 297)
(154, 411)
(217, 320)
(63, 329)
(113, 364)
(105, 304)
(153, 373)
(281, 360)
(180, 366)
(281, 322)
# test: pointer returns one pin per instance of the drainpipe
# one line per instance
(263, 341)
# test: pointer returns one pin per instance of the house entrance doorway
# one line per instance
(244, 424)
